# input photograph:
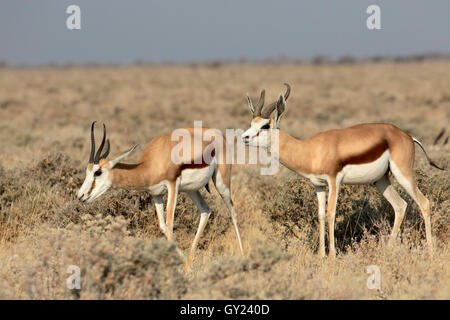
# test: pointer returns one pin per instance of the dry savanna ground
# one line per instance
(45, 116)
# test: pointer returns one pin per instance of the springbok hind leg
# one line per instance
(205, 212)
(321, 201)
(229, 205)
(406, 180)
(398, 204)
(223, 187)
(172, 196)
(333, 186)
(159, 205)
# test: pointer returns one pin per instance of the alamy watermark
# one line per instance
(374, 280)
(73, 21)
(205, 145)
(373, 21)
(74, 280)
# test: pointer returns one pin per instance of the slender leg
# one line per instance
(406, 180)
(205, 212)
(387, 190)
(234, 220)
(424, 205)
(333, 186)
(159, 205)
(171, 204)
(225, 193)
(320, 191)
(172, 188)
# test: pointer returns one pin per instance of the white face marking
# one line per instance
(95, 184)
(258, 133)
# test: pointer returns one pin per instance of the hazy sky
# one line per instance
(34, 32)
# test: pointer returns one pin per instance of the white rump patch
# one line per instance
(404, 182)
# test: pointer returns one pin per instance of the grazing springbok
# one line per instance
(157, 172)
(362, 154)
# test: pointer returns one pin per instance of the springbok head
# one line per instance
(258, 133)
(98, 172)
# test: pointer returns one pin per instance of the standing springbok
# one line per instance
(361, 154)
(157, 172)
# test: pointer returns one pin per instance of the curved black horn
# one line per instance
(91, 157)
(269, 109)
(107, 150)
(99, 151)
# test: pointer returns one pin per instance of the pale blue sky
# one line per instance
(34, 32)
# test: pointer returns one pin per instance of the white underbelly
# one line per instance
(368, 172)
(195, 179)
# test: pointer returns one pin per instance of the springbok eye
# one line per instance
(266, 126)
(97, 173)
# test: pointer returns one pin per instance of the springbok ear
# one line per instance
(250, 104)
(279, 109)
(114, 162)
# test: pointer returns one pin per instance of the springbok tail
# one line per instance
(426, 155)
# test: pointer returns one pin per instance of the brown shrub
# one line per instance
(45, 116)
(361, 210)
(113, 265)
(60, 171)
(10, 189)
(225, 277)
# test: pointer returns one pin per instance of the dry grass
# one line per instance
(44, 119)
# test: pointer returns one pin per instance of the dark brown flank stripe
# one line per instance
(197, 165)
(194, 166)
(369, 155)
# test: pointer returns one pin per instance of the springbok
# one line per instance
(157, 172)
(362, 154)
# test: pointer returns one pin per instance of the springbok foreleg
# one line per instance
(172, 189)
(321, 197)
(333, 186)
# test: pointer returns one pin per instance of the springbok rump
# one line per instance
(362, 154)
(157, 172)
